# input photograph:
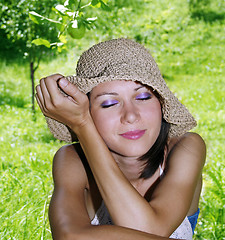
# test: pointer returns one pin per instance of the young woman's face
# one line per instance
(127, 115)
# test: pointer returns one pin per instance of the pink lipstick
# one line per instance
(133, 135)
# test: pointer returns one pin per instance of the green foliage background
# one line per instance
(187, 40)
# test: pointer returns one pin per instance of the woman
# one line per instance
(136, 172)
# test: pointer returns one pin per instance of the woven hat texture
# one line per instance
(124, 59)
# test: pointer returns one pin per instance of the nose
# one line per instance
(130, 113)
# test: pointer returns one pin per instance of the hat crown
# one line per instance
(117, 57)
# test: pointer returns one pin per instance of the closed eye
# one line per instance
(144, 96)
(109, 103)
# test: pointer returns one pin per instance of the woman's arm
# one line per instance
(183, 176)
(172, 197)
(67, 213)
(153, 217)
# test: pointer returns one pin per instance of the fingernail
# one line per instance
(63, 82)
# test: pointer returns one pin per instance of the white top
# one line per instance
(102, 217)
(184, 231)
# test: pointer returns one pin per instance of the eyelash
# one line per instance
(105, 105)
(142, 97)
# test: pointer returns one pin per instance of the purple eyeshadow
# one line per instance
(109, 103)
(143, 96)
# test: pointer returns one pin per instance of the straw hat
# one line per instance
(124, 59)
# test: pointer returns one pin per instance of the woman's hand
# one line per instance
(71, 108)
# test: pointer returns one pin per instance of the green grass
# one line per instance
(190, 54)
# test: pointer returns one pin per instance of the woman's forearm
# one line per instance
(109, 232)
(126, 206)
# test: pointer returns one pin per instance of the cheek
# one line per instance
(158, 119)
(103, 121)
(154, 108)
(154, 115)
(158, 113)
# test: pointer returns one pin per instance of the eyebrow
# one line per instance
(114, 93)
(139, 88)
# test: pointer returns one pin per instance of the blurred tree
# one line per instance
(207, 10)
(118, 19)
(75, 16)
(18, 30)
(68, 18)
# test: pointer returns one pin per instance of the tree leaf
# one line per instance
(94, 2)
(32, 13)
(36, 14)
(41, 41)
(92, 19)
(105, 7)
(33, 18)
(62, 9)
(62, 38)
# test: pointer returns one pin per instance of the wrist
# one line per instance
(83, 126)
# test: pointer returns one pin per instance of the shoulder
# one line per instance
(186, 158)
(193, 140)
(188, 138)
(190, 145)
(66, 155)
(68, 167)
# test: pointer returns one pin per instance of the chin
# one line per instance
(131, 152)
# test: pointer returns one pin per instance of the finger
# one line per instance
(71, 90)
(43, 87)
(71, 99)
(39, 103)
(55, 77)
(39, 94)
(44, 94)
(51, 86)
(41, 100)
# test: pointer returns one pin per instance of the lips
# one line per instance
(133, 135)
